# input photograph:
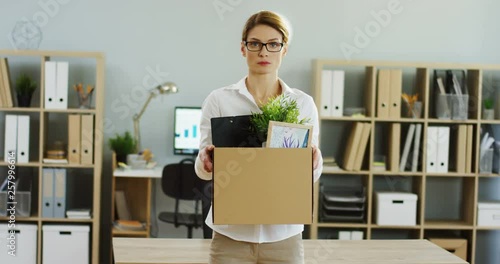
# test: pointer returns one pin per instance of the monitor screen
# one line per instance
(187, 130)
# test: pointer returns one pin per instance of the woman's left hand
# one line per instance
(316, 155)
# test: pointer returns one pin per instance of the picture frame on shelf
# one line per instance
(288, 135)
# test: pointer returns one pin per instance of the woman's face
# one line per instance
(263, 61)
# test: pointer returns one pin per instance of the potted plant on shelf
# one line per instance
(25, 87)
(122, 145)
(488, 112)
(280, 108)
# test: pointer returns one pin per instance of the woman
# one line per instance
(264, 43)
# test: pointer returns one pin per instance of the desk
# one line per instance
(166, 251)
(136, 184)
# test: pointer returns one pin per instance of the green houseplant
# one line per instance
(25, 87)
(488, 112)
(280, 108)
(122, 145)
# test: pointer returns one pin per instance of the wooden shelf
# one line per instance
(346, 118)
(388, 132)
(77, 166)
(342, 225)
(375, 226)
(129, 233)
(333, 170)
(21, 109)
(486, 228)
(65, 220)
(29, 164)
(20, 219)
(70, 111)
(445, 224)
(41, 120)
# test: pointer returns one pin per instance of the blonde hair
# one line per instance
(269, 18)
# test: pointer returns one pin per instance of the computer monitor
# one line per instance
(186, 130)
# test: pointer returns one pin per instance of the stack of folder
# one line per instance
(342, 204)
(5, 87)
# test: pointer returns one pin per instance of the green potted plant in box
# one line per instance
(280, 108)
(25, 87)
(488, 112)
(122, 145)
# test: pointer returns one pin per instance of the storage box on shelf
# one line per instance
(43, 124)
(399, 99)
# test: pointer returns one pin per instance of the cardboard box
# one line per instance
(262, 186)
(457, 246)
(396, 208)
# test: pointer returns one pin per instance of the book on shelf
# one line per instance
(79, 213)
(131, 225)
(55, 161)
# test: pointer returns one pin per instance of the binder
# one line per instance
(62, 85)
(396, 84)
(74, 138)
(469, 150)
(10, 137)
(3, 95)
(352, 146)
(326, 93)
(443, 145)
(8, 102)
(59, 193)
(431, 152)
(50, 84)
(337, 96)
(461, 149)
(48, 193)
(23, 138)
(394, 143)
(416, 147)
(363, 142)
(383, 92)
(87, 140)
(406, 148)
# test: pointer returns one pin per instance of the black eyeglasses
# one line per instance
(270, 46)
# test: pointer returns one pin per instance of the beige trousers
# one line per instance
(224, 250)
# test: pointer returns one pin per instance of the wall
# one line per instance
(196, 44)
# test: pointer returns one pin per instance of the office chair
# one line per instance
(179, 181)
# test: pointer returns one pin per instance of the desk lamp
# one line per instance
(165, 88)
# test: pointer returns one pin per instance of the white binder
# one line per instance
(59, 193)
(337, 104)
(50, 84)
(23, 138)
(62, 85)
(416, 148)
(443, 145)
(10, 137)
(431, 152)
(326, 93)
(48, 193)
(406, 149)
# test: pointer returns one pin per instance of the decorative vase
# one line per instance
(489, 114)
(23, 100)
(121, 158)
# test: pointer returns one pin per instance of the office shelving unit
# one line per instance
(48, 125)
(360, 90)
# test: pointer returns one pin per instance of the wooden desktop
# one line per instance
(169, 251)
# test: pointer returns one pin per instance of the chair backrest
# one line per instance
(179, 180)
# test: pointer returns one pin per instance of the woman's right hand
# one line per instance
(206, 157)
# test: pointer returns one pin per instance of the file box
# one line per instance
(488, 213)
(396, 208)
(25, 239)
(64, 244)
